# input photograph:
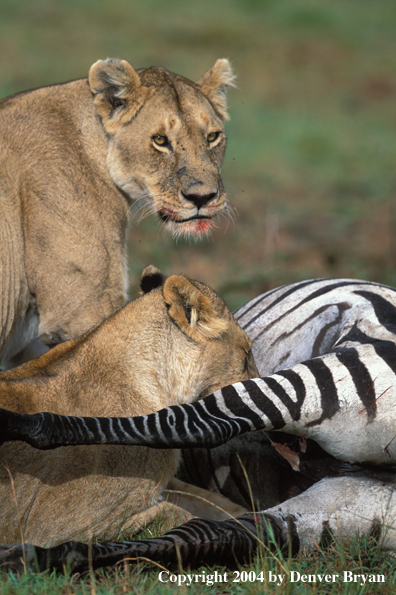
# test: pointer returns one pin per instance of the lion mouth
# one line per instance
(167, 216)
(195, 227)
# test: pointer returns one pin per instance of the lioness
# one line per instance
(73, 157)
(174, 344)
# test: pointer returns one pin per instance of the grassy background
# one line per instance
(310, 160)
(310, 164)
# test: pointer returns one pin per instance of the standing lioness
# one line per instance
(176, 343)
(72, 158)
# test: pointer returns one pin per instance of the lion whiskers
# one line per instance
(144, 209)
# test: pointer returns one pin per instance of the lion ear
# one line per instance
(191, 310)
(117, 91)
(214, 85)
(151, 279)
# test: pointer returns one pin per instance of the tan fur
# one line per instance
(73, 157)
(148, 355)
(196, 500)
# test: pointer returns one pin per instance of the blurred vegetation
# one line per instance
(310, 165)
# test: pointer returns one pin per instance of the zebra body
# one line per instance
(326, 350)
(344, 331)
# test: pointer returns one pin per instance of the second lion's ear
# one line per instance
(191, 310)
(151, 279)
(117, 91)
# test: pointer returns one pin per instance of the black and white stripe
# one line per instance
(326, 350)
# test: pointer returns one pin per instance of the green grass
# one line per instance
(310, 169)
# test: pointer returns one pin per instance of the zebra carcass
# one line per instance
(326, 350)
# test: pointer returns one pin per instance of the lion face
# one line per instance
(186, 341)
(166, 140)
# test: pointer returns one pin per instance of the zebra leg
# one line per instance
(333, 508)
(197, 541)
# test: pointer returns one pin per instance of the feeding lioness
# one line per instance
(174, 344)
(73, 156)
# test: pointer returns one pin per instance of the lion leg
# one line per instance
(168, 513)
(202, 503)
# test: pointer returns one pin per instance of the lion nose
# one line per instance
(199, 200)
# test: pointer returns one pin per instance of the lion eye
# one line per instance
(161, 140)
(212, 136)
